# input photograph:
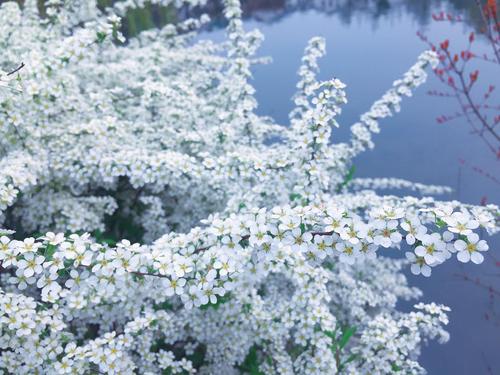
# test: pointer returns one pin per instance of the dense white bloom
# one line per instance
(148, 140)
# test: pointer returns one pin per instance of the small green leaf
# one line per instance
(251, 363)
(349, 359)
(395, 367)
(302, 227)
(49, 252)
(330, 334)
(347, 178)
(101, 36)
(346, 336)
(440, 222)
(221, 137)
(166, 306)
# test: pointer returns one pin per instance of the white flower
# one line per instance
(54, 239)
(4, 247)
(335, 219)
(470, 250)
(31, 264)
(48, 283)
(387, 234)
(258, 234)
(25, 327)
(418, 265)
(461, 223)
(225, 265)
(206, 280)
(432, 248)
(348, 252)
(176, 286)
(28, 246)
(297, 240)
(414, 228)
(354, 232)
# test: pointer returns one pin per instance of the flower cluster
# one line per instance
(250, 246)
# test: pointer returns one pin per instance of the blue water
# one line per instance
(368, 50)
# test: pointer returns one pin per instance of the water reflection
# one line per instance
(272, 11)
(269, 11)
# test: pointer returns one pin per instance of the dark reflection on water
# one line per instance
(272, 11)
(346, 11)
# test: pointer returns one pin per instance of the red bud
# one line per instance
(491, 8)
(473, 76)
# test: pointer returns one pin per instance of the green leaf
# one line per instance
(251, 363)
(346, 336)
(330, 334)
(349, 359)
(347, 178)
(221, 137)
(247, 307)
(49, 252)
(440, 222)
(302, 228)
(166, 306)
(101, 36)
(395, 367)
(198, 357)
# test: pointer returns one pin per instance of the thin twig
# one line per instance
(16, 70)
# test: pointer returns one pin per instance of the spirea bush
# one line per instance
(163, 227)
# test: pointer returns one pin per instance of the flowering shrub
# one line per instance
(146, 139)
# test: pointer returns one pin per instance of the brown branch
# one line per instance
(16, 70)
(478, 283)
(148, 274)
(466, 92)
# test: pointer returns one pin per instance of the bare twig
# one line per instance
(16, 70)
